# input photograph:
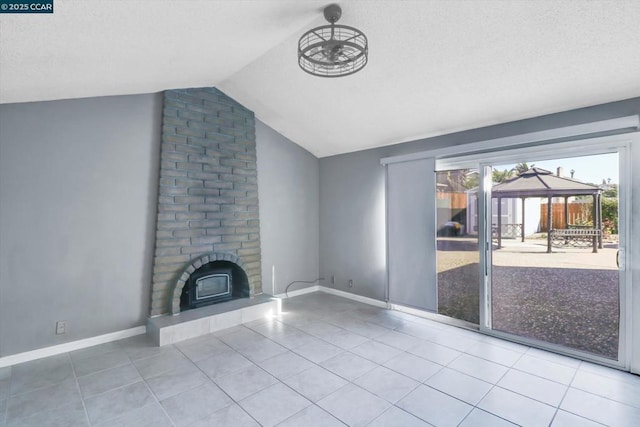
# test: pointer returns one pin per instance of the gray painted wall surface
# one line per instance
(78, 188)
(79, 177)
(78, 197)
(288, 192)
(352, 187)
(352, 223)
(411, 255)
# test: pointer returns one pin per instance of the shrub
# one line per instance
(610, 215)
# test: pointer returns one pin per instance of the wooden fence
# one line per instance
(579, 213)
(457, 200)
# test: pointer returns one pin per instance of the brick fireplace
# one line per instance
(208, 192)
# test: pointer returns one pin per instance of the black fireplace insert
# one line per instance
(215, 282)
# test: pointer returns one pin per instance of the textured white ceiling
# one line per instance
(435, 66)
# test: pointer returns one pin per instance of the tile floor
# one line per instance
(326, 361)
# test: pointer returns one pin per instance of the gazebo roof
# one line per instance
(537, 182)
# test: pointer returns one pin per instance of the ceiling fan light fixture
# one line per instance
(333, 50)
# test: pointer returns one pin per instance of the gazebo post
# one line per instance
(566, 216)
(549, 223)
(522, 225)
(499, 223)
(594, 241)
(600, 220)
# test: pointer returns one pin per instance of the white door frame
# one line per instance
(626, 128)
(577, 148)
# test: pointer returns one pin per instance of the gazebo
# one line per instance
(537, 182)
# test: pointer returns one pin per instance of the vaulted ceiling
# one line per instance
(435, 66)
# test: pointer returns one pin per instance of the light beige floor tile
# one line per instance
(435, 352)
(541, 389)
(348, 365)
(413, 366)
(43, 399)
(151, 415)
(72, 415)
(108, 380)
(396, 417)
(566, 419)
(245, 382)
(200, 348)
(166, 361)
(494, 353)
(232, 416)
(223, 364)
(479, 368)
(311, 416)
(461, 386)
(40, 373)
(516, 408)
(480, 418)
(376, 351)
(318, 351)
(274, 404)
(176, 381)
(546, 369)
(434, 406)
(620, 390)
(115, 403)
(193, 405)
(315, 383)
(353, 405)
(387, 384)
(285, 365)
(600, 409)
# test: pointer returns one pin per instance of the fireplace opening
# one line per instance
(212, 283)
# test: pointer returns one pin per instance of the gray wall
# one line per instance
(288, 191)
(352, 223)
(78, 185)
(79, 177)
(352, 186)
(78, 197)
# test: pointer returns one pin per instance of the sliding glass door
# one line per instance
(554, 277)
(530, 246)
(457, 255)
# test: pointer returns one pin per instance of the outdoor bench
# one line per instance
(577, 237)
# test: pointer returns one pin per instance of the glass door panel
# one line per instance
(554, 275)
(457, 256)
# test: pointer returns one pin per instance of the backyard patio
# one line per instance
(568, 297)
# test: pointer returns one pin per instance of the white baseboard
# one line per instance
(390, 306)
(382, 304)
(28, 356)
(298, 292)
(349, 295)
(434, 316)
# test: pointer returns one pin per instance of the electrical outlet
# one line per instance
(61, 327)
(351, 283)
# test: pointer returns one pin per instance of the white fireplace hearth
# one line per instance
(170, 329)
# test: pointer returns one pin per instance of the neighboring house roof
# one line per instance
(537, 182)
